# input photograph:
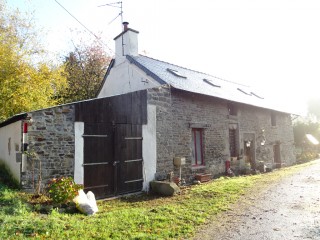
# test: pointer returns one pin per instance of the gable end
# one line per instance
(146, 70)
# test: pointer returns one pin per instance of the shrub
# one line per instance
(63, 190)
(306, 156)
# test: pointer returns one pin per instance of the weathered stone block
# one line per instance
(164, 188)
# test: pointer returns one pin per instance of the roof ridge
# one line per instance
(222, 79)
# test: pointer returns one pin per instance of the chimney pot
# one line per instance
(125, 26)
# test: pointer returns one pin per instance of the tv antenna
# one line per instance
(115, 5)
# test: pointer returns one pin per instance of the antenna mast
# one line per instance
(116, 5)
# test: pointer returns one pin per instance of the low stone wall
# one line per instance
(51, 146)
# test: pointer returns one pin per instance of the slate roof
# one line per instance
(197, 82)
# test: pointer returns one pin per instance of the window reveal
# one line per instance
(197, 146)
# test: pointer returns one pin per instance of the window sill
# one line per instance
(233, 117)
(197, 167)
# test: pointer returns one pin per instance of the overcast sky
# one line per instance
(273, 45)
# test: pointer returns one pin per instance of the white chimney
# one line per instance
(126, 43)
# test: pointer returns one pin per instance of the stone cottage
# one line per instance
(200, 118)
(150, 118)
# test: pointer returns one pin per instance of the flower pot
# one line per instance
(176, 180)
(204, 177)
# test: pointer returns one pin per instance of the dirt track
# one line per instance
(289, 209)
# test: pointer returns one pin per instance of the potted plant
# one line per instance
(203, 177)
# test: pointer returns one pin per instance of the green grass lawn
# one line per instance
(134, 217)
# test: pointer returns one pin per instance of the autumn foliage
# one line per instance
(26, 82)
(30, 81)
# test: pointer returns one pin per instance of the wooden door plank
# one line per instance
(131, 162)
(98, 159)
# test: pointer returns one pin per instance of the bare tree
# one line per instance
(85, 68)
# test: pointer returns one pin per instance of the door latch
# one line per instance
(115, 163)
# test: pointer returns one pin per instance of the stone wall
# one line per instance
(188, 109)
(281, 133)
(51, 143)
(51, 136)
(161, 98)
(178, 110)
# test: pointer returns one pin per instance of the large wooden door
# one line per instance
(112, 159)
(128, 157)
(98, 159)
(113, 143)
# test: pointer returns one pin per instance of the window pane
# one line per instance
(198, 147)
(193, 159)
(232, 142)
(232, 108)
(197, 154)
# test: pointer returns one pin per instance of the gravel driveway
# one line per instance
(289, 209)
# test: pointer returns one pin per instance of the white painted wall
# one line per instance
(78, 156)
(125, 78)
(10, 144)
(126, 44)
(149, 148)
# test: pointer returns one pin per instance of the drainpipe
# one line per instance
(125, 28)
